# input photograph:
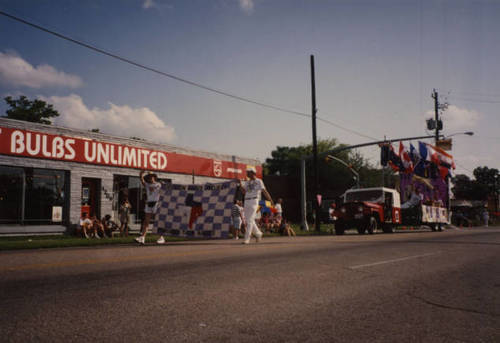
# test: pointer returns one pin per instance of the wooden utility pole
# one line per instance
(435, 96)
(315, 149)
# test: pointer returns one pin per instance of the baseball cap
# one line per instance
(251, 169)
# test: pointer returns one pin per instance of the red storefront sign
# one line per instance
(18, 142)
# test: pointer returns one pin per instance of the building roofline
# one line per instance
(77, 133)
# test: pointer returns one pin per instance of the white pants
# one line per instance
(250, 212)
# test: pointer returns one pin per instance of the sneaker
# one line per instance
(140, 239)
(236, 238)
(87, 236)
(258, 237)
(161, 240)
(245, 242)
(97, 236)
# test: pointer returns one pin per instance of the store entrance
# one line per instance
(90, 197)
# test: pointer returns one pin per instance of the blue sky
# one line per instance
(376, 65)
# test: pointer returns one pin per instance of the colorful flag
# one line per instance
(414, 155)
(431, 154)
(395, 160)
(405, 158)
(443, 158)
(423, 151)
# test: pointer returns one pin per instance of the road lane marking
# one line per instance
(392, 261)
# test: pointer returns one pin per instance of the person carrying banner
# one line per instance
(152, 186)
(252, 190)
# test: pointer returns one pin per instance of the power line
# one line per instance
(195, 84)
(466, 93)
(126, 60)
(475, 100)
(460, 166)
(345, 129)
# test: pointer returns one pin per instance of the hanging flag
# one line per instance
(443, 172)
(431, 154)
(405, 158)
(395, 160)
(414, 155)
(423, 151)
(418, 162)
(443, 158)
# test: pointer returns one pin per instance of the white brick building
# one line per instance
(49, 175)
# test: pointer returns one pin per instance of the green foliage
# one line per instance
(36, 111)
(334, 178)
(486, 182)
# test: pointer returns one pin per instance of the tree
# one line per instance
(334, 178)
(488, 178)
(485, 183)
(36, 111)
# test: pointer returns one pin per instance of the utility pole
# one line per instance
(315, 149)
(435, 96)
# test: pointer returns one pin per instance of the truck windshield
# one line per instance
(371, 196)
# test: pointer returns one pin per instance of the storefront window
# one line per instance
(33, 196)
(11, 194)
(44, 191)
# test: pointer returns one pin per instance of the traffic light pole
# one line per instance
(332, 152)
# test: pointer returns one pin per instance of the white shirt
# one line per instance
(152, 191)
(278, 208)
(253, 189)
(85, 221)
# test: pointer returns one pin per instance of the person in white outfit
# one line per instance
(152, 186)
(252, 190)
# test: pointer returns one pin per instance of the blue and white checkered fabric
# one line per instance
(208, 206)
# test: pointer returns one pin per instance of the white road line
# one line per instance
(392, 261)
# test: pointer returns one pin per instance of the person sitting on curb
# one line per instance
(286, 229)
(85, 226)
(97, 227)
(108, 225)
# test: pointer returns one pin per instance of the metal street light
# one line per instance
(330, 157)
(468, 133)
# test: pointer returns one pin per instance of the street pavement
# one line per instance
(413, 286)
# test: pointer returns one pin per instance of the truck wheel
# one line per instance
(372, 225)
(387, 228)
(433, 227)
(361, 229)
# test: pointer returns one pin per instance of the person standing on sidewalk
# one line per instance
(152, 186)
(252, 190)
(237, 216)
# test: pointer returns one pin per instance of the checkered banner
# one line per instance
(196, 210)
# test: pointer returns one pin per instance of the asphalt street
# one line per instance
(403, 287)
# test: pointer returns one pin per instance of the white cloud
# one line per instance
(117, 120)
(15, 71)
(147, 4)
(247, 6)
(456, 118)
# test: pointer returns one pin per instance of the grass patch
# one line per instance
(67, 241)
